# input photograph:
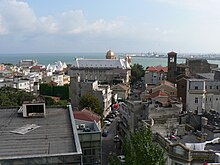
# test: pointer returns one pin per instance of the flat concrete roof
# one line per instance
(93, 127)
(54, 136)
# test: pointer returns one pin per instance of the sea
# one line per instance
(68, 58)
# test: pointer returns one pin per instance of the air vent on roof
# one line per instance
(82, 126)
(87, 129)
(34, 110)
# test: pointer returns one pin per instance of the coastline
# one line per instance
(51, 58)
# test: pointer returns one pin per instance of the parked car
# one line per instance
(109, 119)
(105, 133)
(116, 138)
(121, 158)
(116, 113)
(107, 123)
(111, 115)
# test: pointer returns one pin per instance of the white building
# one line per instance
(102, 92)
(202, 95)
(57, 67)
(57, 78)
(106, 70)
(23, 84)
(27, 63)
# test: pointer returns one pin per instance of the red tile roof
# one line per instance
(165, 82)
(86, 115)
(158, 68)
(158, 93)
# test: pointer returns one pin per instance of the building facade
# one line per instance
(202, 95)
(90, 141)
(155, 74)
(131, 115)
(102, 92)
(198, 65)
(105, 70)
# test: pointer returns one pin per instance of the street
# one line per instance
(108, 144)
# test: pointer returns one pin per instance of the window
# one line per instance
(178, 163)
(171, 59)
(210, 87)
(196, 100)
(196, 87)
(217, 87)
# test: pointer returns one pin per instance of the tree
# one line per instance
(13, 97)
(139, 149)
(89, 100)
(113, 160)
(137, 71)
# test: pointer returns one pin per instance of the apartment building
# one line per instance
(102, 92)
(155, 74)
(202, 95)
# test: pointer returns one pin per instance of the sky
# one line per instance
(126, 26)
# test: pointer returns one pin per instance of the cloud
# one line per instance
(19, 17)
(16, 16)
(47, 25)
(18, 22)
(21, 29)
(205, 6)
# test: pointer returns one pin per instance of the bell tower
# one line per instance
(172, 69)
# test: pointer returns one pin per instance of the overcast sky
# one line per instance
(185, 26)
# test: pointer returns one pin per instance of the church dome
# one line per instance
(110, 55)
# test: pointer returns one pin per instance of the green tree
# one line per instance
(89, 100)
(113, 160)
(49, 101)
(139, 149)
(13, 97)
(137, 71)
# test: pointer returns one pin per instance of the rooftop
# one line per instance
(158, 68)
(84, 126)
(100, 63)
(53, 134)
(86, 115)
(209, 76)
(188, 139)
(120, 87)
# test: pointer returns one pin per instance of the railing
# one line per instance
(183, 152)
(204, 155)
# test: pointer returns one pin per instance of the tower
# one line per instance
(172, 69)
